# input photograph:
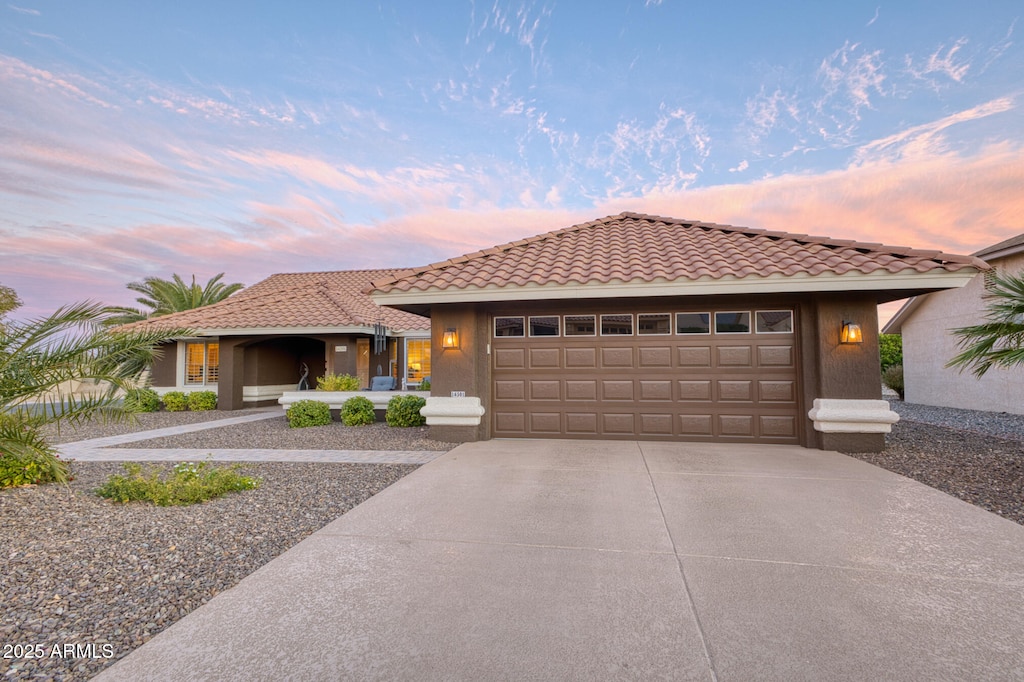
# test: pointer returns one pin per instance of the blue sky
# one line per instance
(145, 138)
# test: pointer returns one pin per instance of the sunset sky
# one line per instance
(148, 138)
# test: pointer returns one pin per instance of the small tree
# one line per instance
(999, 341)
(166, 296)
(890, 350)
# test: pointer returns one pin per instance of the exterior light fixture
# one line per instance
(450, 340)
(851, 333)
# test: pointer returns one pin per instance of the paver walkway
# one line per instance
(100, 450)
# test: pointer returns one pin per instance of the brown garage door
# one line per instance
(702, 376)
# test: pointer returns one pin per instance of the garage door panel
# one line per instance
(581, 358)
(617, 358)
(656, 424)
(581, 423)
(545, 389)
(617, 389)
(696, 425)
(618, 424)
(510, 358)
(545, 358)
(775, 356)
(546, 423)
(695, 390)
(659, 357)
(510, 423)
(778, 426)
(694, 356)
(735, 356)
(510, 389)
(581, 389)
(736, 425)
(736, 391)
(776, 391)
(655, 390)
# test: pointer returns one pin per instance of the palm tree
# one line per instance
(163, 297)
(39, 361)
(999, 341)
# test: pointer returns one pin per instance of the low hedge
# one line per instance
(141, 400)
(404, 410)
(202, 401)
(305, 413)
(357, 411)
(175, 401)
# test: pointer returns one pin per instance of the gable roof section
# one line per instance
(302, 302)
(1004, 249)
(632, 254)
(1007, 247)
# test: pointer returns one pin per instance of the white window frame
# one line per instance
(750, 322)
(671, 326)
(529, 327)
(711, 324)
(792, 322)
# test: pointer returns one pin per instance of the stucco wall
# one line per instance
(163, 373)
(928, 345)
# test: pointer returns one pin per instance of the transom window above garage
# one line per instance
(725, 322)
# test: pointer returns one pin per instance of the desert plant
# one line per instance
(357, 411)
(30, 468)
(893, 378)
(890, 350)
(202, 401)
(999, 341)
(305, 413)
(175, 401)
(166, 296)
(337, 382)
(404, 410)
(141, 400)
(187, 483)
(41, 358)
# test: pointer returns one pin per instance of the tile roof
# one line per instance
(301, 299)
(637, 248)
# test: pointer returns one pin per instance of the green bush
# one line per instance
(893, 378)
(187, 483)
(141, 400)
(305, 413)
(202, 401)
(337, 382)
(32, 468)
(425, 385)
(890, 350)
(175, 401)
(357, 411)
(404, 410)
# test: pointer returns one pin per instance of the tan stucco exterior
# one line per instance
(928, 345)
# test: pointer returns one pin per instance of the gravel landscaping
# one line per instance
(79, 570)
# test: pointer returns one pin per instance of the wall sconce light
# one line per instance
(450, 340)
(851, 333)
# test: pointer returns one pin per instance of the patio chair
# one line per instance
(382, 383)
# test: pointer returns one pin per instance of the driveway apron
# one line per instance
(587, 560)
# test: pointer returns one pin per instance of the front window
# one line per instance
(417, 360)
(202, 363)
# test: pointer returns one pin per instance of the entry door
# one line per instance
(363, 362)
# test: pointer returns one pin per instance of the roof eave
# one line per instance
(706, 286)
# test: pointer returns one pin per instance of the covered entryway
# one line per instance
(701, 375)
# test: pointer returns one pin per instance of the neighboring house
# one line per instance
(643, 327)
(253, 346)
(928, 344)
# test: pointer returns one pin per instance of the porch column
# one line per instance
(229, 384)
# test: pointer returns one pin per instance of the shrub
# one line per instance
(187, 483)
(404, 410)
(357, 411)
(32, 468)
(305, 413)
(202, 401)
(175, 401)
(890, 350)
(425, 385)
(893, 378)
(141, 400)
(337, 382)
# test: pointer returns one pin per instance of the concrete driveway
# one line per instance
(550, 560)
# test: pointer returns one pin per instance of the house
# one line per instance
(925, 322)
(253, 346)
(643, 327)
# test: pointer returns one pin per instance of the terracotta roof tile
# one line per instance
(632, 247)
(302, 299)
